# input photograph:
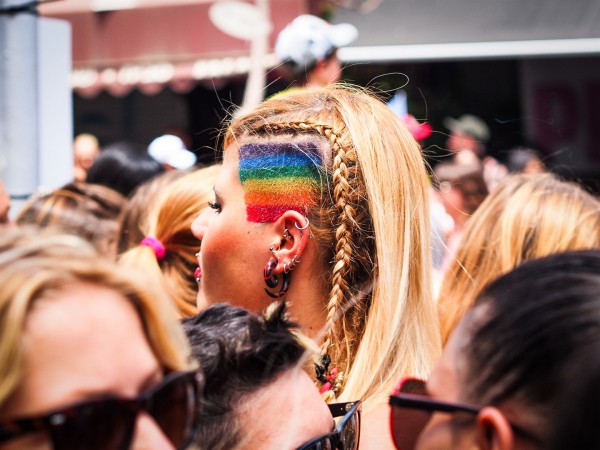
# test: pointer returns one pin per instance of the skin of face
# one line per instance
(284, 414)
(233, 250)
(448, 431)
(458, 141)
(326, 71)
(84, 342)
(4, 204)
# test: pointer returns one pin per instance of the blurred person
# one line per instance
(302, 210)
(524, 160)
(168, 248)
(171, 152)
(257, 395)
(467, 142)
(4, 205)
(504, 376)
(525, 217)
(134, 215)
(90, 356)
(123, 166)
(307, 48)
(461, 189)
(86, 210)
(85, 150)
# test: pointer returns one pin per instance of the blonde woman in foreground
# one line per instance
(525, 217)
(323, 201)
(89, 356)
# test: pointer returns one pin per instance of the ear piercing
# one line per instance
(288, 267)
(310, 235)
(271, 279)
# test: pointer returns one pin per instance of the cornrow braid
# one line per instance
(341, 315)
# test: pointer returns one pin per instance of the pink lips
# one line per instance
(198, 274)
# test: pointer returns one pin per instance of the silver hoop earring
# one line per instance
(286, 234)
(304, 228)
(288, 267)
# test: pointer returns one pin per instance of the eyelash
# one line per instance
(215, 205)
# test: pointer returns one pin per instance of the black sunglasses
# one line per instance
(109, 423)
(412, 408)
(347, 432)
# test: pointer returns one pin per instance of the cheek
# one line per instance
(436, 435)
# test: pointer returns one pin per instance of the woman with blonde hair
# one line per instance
(90, 356)
(525, 217)
(167, 251)
(323, 198)
(86, 210)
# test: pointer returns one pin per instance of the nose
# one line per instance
(199, 224)
(149, 436)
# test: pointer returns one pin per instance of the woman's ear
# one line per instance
(494, 431)
(294, 229)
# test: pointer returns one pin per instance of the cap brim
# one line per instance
(182, 159)
(451, 123)
(342, 34)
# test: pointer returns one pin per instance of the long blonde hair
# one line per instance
(170, 221)
(372, 227)
(525, 217)
(34, 264)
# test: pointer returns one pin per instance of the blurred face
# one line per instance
(85, 343)
(285, 414)
(326, 71)
(4, 204)
(233, 251)
(448, 431)
(453, 202)
(458, 141)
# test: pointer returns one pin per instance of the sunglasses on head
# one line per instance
(347, 432)
(412, 408)
(109, 423)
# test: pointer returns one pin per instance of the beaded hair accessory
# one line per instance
(277, 177)
(158, 247)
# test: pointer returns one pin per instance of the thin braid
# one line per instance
(343, 247)
(342, 267)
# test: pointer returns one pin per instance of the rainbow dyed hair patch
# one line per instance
(279, 177)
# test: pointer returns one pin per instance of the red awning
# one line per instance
(158, 43)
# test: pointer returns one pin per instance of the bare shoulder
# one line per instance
(375, 428)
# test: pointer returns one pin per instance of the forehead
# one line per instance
(449, 373)
(285, 413)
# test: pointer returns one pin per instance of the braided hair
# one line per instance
(344, 222)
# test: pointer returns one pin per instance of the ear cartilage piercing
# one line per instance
(286, 234)
(304, 228)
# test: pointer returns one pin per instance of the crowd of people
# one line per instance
(293, 295)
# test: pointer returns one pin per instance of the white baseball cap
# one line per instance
(307, 39)
(169, 149)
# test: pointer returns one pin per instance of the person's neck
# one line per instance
(307, 308)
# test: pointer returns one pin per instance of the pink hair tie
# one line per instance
(156, 245)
